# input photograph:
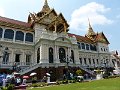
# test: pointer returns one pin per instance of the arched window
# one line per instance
(85, 62)
(72, 56)
(83, 45)
(62, 55)
(87, 46)
(19, 36)
(9, 34)
(80, 60)
(1, 31)
(89, 61)
(93, 61)
(38, 55)
(93, 48)
(50, 55)
(79, 46)
(29, 37)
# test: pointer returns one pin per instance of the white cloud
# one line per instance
(1, 12)
(94, 11)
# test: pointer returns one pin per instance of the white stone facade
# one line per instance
(44, 40)
(46, 44)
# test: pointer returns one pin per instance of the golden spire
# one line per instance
(89, 23)
(46, 3)
(90, 30)
(46, 7)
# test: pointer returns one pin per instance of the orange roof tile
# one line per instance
(81, 38)
(101, 37)
(12, 21)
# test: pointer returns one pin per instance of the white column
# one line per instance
(69, 51)
(3, 33)
(23, 57)
(42, 55)
(69, 54)
(14, 36)
(57, 55)
(24, 37)
(12, 56)
(35, 56)
(46, 53)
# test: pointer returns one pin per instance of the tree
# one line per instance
(79, 72)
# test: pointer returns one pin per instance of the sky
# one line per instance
(104, 15)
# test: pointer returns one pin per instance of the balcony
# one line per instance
(10, 65)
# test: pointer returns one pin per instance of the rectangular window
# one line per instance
(85, 61)
(28, 59)
(89, 61)
(17, 58)
(79, 46)
(80, 60)
(93, 61)
(97, 61)
(83, 45)
(87, 46)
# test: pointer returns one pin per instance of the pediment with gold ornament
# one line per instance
(48, 17)
(102, 38)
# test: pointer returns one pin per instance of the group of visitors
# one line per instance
(5, 80)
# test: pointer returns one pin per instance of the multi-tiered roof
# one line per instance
(53, 22)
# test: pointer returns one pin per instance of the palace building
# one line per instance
(43, 44)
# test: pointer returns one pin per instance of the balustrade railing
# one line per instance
(10, 64)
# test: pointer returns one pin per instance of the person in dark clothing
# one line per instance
(13, 80)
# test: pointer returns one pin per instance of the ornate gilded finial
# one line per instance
(89, 23)
(90, 30)
(45, 7)
(46, 3)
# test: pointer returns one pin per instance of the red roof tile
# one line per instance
(12, 21)
(80, 38)
(100, 37)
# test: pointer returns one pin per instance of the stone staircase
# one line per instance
(86, 70)
(28, 69)
(35, 66)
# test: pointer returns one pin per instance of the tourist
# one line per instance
(44, 79)
(24, 81)
(18, 81)
(4, 82)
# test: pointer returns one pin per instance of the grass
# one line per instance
(106, 84)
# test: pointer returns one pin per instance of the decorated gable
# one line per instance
(101, 38)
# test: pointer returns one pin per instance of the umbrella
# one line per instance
(47, 74)
(9, 76)
(15, 73)
(25, 77)
(32, 74)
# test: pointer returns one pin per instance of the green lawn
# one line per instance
(106, 84)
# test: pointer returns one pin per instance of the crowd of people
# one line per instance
(6, 79)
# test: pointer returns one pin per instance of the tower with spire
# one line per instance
(90, 34)
(44, 10)
(46, 7)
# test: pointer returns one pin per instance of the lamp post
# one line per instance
(105, 62)
(67, 66)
